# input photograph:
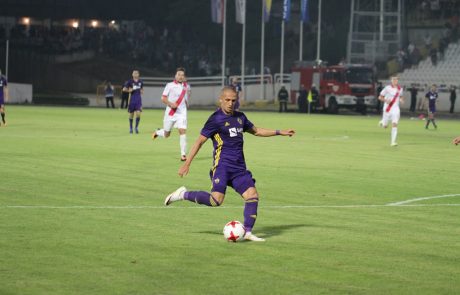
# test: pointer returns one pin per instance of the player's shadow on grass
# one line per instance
(266, 231)
(277, 230)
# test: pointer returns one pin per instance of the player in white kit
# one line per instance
(176, 96)
(392, 96)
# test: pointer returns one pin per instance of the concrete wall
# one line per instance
(203, 95)
(20, 93)
(443, 103)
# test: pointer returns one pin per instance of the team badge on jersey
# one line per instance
(216, 181)
(240, 121)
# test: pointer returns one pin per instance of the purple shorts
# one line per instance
(239, 180)
(432, 109)
(135, 107)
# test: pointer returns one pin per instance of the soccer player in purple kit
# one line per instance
(135, 87)
(4, 96)
(432, 97)
(225, 127)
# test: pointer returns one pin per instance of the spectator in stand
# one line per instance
(415, 57)
(453, 97)
(442, 47)
(428, 42)
(401, 58)
(410, 48)
(283, 97)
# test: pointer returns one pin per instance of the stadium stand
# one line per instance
(447, 70)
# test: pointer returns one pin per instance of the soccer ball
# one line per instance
(234, 231)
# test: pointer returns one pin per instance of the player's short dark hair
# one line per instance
(180, 69)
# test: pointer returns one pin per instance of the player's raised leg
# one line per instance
(213, 199)
(165, 132)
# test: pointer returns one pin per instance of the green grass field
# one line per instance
(81, 208)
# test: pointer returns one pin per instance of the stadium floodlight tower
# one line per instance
(375, 30)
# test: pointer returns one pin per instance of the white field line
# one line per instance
(405, 203)
(421, 199)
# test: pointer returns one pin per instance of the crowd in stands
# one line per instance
(432, 10)
(143, 45)
(443, 12)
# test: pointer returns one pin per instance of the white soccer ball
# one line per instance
(234, 231)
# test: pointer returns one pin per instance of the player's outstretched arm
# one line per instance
(183, 170)
(262, 132)
(456, 140)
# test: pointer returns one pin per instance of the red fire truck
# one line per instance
(349, 86)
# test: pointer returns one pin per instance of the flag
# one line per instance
(240, 6)
(217, 11)
(287, 10)
(304, 11)
(310, 96)
(267, 9)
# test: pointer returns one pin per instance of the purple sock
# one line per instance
(201, 197)
(137, 121)
(130, 123)
(250, 213)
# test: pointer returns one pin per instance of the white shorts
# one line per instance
(392, 116)
(170, 122)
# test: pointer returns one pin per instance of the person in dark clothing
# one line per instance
(432, 97)
(413, 98)
(283, 97)
(379, 105)
(453, 97)
(302, 99)
(109, 93)
(314, 98)
(124, 97)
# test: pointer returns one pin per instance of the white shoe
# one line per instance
(177, 195)
(250, 237)
(394, 144)
(380, 123)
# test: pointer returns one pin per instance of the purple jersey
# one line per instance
(135, 103)
(136, 86)
(226, 132)
(432, 97)
(3, 83)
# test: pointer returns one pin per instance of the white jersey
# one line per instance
(389, 92)
(173, 91)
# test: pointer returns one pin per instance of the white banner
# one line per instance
(240, 6)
